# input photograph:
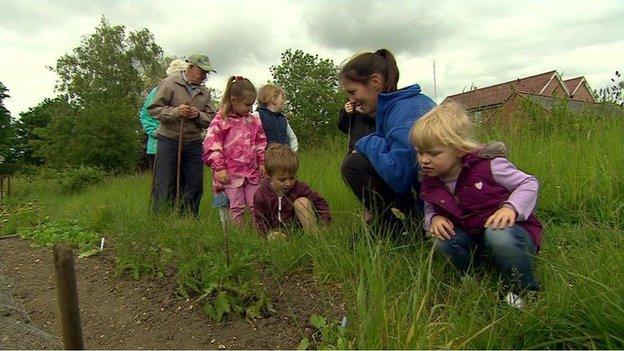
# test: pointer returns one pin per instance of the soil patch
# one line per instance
(120, 313)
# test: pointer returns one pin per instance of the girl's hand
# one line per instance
(504, 217)
(222, 177)
(442, 228)
(262, 171)
(348, 108)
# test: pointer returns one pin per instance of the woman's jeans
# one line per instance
(511, 248)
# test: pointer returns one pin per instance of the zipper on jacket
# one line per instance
(279, 209)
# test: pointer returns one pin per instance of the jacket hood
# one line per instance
(489, 151)
(493, 149)
(386, 100)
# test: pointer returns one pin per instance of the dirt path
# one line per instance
(120, 313)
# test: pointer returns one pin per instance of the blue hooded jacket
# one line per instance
(149, 123)
(389, 149)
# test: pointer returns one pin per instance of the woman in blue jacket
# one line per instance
(382, 171)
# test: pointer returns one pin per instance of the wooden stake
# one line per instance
(67, 295)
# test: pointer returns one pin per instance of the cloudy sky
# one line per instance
(472, 42)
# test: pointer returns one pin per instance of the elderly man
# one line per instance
(183, 107)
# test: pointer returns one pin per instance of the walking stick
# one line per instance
(180, 146)
(151, 200)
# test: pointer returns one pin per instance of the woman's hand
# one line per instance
(222, 177)
(504, 217)
(442, 228)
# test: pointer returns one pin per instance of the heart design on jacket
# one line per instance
(479, 185)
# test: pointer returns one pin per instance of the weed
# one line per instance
(328, 336)
(14, 216)
(225, 288)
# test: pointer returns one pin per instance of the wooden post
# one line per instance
(8, 177)
(67, 295)
(1, 185)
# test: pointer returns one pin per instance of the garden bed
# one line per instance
(118, 312)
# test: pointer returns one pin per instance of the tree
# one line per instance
(27, 127)
(30, 129)
(102, 84)
(7, 133)
(312, 92)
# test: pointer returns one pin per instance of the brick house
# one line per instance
(542, 89)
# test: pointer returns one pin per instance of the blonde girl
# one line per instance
(271, 99)
(475, 199)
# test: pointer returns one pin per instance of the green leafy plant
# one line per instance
(19, 215)
(328, 336)
(224, 288)
(48, 234)
(144, 261)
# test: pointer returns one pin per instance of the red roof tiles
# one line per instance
(497, 94)
(573, 83)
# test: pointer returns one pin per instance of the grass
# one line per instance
(403, 296)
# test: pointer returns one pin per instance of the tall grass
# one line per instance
(407, 295)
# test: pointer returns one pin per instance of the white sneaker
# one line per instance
(515, 300)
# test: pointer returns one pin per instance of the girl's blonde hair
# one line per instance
(268, 92)
(237, 87)
(448, 124)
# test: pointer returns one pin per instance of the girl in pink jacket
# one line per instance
(234, 147)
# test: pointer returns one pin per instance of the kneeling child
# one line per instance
(282, 202)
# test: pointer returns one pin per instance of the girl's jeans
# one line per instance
(511, 248)
(240, 198)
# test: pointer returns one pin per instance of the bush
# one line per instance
(76, 180)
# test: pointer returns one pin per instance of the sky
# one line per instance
(473, 43)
